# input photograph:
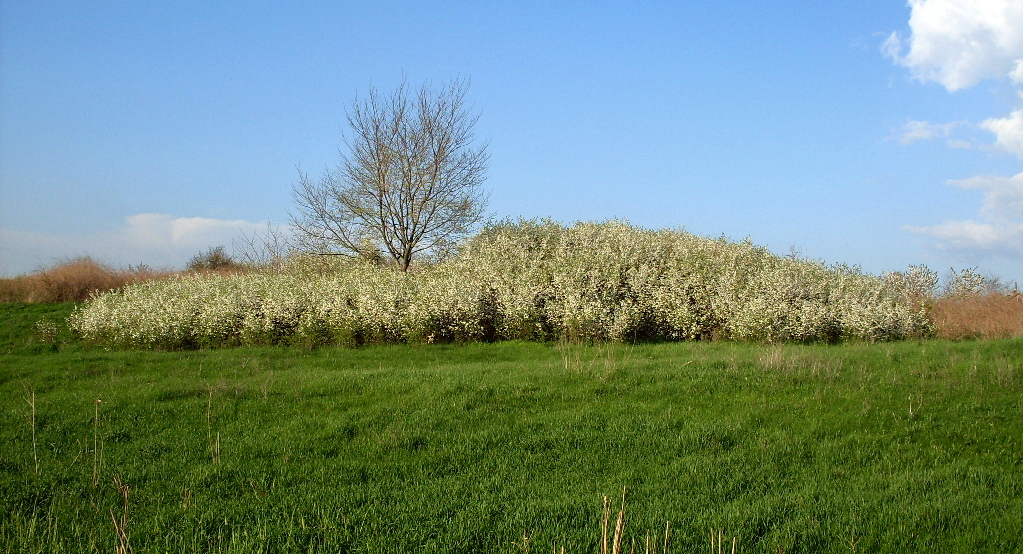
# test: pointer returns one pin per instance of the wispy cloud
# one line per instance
(914, 131)
(1003, 196)
(165, 231)
(157, 240)
(1002, 231)
(976, 239)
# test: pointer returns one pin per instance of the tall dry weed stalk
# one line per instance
(523, 543)
(97, 446)
(121, 524)
(619, 530)
(617, 536)
(214, 443)
(720, 542)
(606, 355)
(30, 397)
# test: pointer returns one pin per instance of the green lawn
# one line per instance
(901, 447)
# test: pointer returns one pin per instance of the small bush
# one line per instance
(214, 259)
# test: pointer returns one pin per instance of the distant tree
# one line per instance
(214, 258)
(409, 184)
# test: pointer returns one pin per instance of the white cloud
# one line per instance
(165, 231)
(1009, 132)
(157, 240)
(1001, 234)
(915, 131)
(1004, 238)
(959, 43)
(1017, 73)
(1003, 196)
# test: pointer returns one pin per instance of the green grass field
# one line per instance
(509, 447)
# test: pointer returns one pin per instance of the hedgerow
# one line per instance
(528, 280)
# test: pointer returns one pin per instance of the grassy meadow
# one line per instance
(913, 446)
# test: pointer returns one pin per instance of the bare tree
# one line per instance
(410, 183)
(269, 248)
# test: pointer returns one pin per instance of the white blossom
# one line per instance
(525, 280)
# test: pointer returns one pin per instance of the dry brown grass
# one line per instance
(71, 281)
(984, 316)
(74, 280)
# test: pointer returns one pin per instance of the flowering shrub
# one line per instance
(530, 280)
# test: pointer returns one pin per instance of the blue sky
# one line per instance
(867, 132)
